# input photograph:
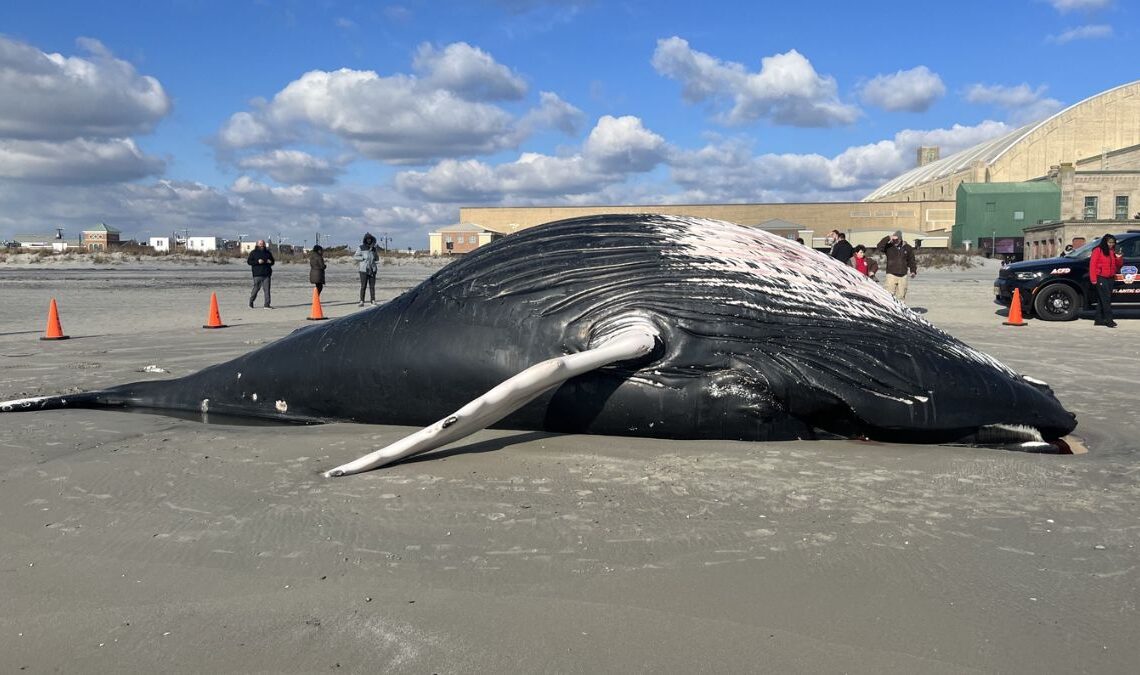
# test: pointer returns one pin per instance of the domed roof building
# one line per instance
(1101, 133)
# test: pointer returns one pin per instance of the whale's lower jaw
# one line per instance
(989, 435)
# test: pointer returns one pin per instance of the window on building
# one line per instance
(1122, 207)
(1090, 208)
(447, 238)
(474, 239)
(991, 207)
(1019, 215)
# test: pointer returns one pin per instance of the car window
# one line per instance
(1084, 251)
(1130, 248)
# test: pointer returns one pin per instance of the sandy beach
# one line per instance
(134, 543)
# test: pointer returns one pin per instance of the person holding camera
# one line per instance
(1104, 264)
(366, 257)
(840, 248)
(900, 260)
(261, 260)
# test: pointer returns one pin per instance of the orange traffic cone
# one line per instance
(215, 320)
(54, 329)
(316, 314)
(1015, 310)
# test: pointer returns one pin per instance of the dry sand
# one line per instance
(135, 543)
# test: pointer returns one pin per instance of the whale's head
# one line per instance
(755, 328)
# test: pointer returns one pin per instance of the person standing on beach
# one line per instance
(366, 257)
(317, 268)
(862, 263)
(900, 260)
(1105, 262)
(841, 248)
(261, 260)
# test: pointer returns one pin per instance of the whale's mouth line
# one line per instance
(1021, 438)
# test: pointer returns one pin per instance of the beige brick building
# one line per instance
(461, 238)
(864, 223)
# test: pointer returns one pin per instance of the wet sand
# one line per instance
(137, 543)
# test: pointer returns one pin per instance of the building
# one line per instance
(1049, 239)
(102, 237)
(1090, 149)
(203, 243)
(926, 222)
(991, 217)
(54, 242)
(460, 238)
(160, 244)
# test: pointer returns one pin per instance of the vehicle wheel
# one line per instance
(1057, 303)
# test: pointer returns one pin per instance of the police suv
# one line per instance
(1058, 289)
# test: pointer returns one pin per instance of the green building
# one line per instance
(990, 216)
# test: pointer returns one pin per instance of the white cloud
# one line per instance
(1023, 103)
(615, 149)
(786, 90)
(1088, 32)
(468, 72)
(244, 130)
(292, 167)
(552, 113)
(75, 161)
(1065, 6)
(291, 196)
(55, 97)
(623, 144)
(446, 110)
(158, 208)
(728, 171)
(390, 118)
(913, 90)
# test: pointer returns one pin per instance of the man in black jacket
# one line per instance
(841, 249)
(900, 259)
(261, 260)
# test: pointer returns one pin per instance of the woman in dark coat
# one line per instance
(317, 268)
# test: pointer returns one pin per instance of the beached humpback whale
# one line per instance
(641, 325)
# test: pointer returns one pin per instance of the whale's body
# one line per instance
(757, 338)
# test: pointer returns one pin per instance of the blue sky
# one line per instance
(269, 118)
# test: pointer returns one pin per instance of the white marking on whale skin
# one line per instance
(1033, 380)
(642, 380)
(239, 376)
(817, 281)
(24, 402)
(253, 397)
(737, 390)
(281, 406)
(204, 406)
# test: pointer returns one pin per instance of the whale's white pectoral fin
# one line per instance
(507, 397)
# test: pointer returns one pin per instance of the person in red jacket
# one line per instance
(1103, 266)
(862, 263)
